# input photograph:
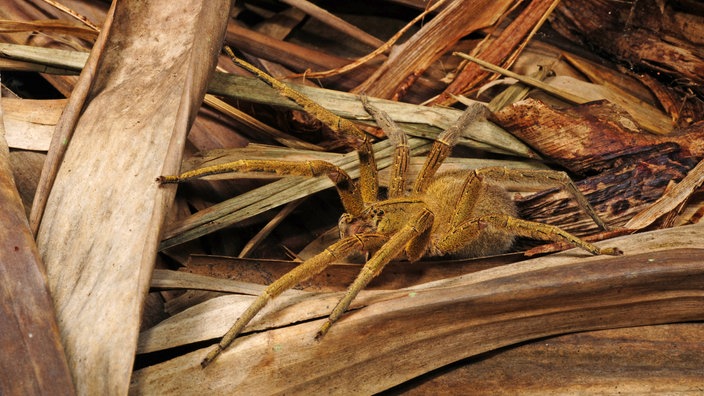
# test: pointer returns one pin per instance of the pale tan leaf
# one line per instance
(125, 124)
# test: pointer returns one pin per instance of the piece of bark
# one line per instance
(626, 170)
(664, 40)
(498, 51)
(404, 333)
(124, 125)
(617, 193)
(410, 60)
(590, 137)
(671, 200)
(33, 360)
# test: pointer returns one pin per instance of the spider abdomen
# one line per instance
(443, 197)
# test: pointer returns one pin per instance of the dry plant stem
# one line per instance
(526, 80)
(383, 48)
(419, 121)
(368, 169)
(335, 22)
(268, 228)
(74, 14)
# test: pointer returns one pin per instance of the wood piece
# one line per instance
(670, 200)
(125, 124)
(404, 66)
(402, 334)
(33, 360)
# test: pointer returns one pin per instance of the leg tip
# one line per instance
(612, 251)
(323, 330)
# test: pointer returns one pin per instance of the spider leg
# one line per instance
(399, 169)
(346, 188)
(414, 231)
(534, 179)
(443, 146)
(369, 183)
(297, 275)
(530, 229)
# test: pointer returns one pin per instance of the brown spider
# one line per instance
(462, 214)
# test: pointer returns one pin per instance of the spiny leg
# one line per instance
(349, 194)
(545, 232)
(415, 231)
(304, 271)
(442, 147)
(535, 179)
(399, 168)
(368, 172)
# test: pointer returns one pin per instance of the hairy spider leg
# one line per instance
(368, 179)
(300, 273)
(415, 231)
(442, 147)
(401, 157)
(538, 179)
(346, 188)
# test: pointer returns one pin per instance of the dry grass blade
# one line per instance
(420, 121)
(64, 59)
(551, 295)
(100, 212)
(50, 26)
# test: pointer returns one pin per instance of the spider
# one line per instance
(461, 214)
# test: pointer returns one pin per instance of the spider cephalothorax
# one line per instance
(462, 214)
